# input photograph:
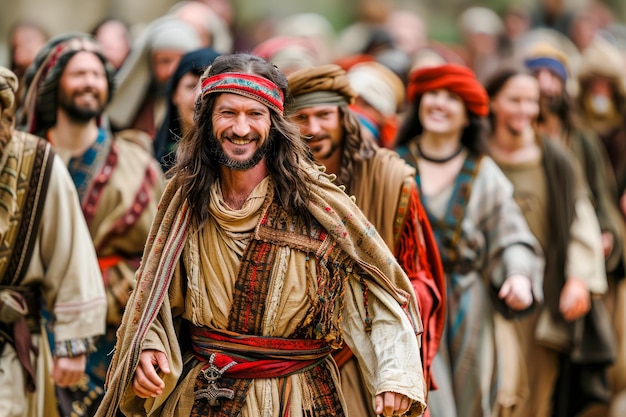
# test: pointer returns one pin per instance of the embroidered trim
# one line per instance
(35, 165)
(90, 166)
(140, 202)
(74, 347)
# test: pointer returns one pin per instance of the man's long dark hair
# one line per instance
(355, 147)
(562, 106)
(196, 168)
(472, 136)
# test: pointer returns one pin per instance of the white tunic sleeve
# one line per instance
(64, 263)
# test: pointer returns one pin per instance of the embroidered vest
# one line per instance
(24, 177)
(447, 230)
(278, 229)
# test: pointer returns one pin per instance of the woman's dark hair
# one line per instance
(166, 138)
(498, 80)
(196, 167)
(472, 135)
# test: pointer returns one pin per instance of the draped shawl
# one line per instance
(328, 204)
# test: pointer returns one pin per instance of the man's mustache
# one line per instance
(315, 138)
(248, 137)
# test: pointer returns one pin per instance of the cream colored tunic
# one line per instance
(64, 265)
(389, 355)
(541, 337)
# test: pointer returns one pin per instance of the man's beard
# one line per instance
(218, 155)
(77, 113)
(313, 140)
(552, 104)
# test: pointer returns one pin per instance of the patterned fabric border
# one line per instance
(32, 206)
(248, 85)
(73, 348)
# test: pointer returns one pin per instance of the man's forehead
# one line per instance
(319, 108)
(234, 99)
(84, 59)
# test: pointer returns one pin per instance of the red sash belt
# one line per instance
(106, 262)
(257, 356)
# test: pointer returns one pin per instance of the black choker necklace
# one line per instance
(439, 160)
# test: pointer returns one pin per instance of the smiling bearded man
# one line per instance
(117, 179)
(252, 277)
(385, 189)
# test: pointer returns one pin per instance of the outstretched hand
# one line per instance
(392, 403)
(147, 382)
(575, 300)
(517, 292)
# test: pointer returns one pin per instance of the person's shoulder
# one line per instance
(388, 161)
(490, 173)
(136, 164)
(28, 138)
(135, 147)
(134, 138)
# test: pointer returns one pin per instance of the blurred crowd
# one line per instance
(550, 72)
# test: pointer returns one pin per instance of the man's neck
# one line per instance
(237, 185)
(333, 162)
(551, 126)
(71, 138)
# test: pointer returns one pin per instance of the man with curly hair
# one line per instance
(256, 269)
(385, 189)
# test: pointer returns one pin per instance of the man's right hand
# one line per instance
(147, 382)
(517, 292)
(575, 300)
(68, 371)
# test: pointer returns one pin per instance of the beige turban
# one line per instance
(378, 85)
(326, 84)
(8, 88)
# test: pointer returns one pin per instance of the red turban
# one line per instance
(454, 78)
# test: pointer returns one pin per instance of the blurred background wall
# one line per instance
(58, 16)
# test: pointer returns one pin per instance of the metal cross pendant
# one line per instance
(212, 393)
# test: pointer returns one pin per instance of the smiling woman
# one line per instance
(553, 196)
(491, 260)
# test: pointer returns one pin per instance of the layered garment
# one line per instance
(119, 184)
(262, 274)
(607, 186)
(386, 192)
(594, 162)
(544, 335)
(62, 271)
(614, 141)
(483, 239)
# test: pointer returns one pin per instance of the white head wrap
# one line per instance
(377, 85)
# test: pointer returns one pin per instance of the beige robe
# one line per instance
(207, 302)
(377, 185)
(540, 337)
(64, 265)
(495, 242)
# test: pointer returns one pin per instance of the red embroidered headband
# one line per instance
(247, 85)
